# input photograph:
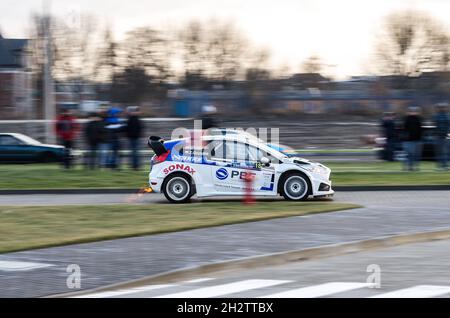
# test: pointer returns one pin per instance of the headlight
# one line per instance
(316, 169)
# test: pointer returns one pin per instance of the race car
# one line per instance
(223, 164)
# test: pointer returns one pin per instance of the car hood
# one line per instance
(50, 146)
(297, 160)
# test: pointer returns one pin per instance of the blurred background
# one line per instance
(361, 86)
(323, 72)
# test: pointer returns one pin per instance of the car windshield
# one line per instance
(276, 153)
(27, 140)
(285, 150)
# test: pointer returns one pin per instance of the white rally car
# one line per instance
(220, 164)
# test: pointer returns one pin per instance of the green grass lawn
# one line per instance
(386, 173)
(52, 176)
(47, 176)
(23, 227)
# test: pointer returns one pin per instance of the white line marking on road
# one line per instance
(122, 292)
(318, 290)
(231, 288)
(21, 266)
(420, 291)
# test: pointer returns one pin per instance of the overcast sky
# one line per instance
(340, 31)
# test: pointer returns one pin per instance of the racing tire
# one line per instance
(295, 187)
(177, 188)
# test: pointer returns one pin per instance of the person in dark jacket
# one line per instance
(389, 132)
(412, 127)
(95, 135)
(442, 123)
(133, 130)
(104, 143)
(209, 117)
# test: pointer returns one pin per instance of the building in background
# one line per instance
(15, 79)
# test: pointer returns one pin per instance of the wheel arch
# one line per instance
(182, 173)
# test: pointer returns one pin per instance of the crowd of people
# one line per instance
(407, 135)
(103, 133)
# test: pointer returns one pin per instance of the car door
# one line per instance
(234, 162)
(265, 181)
(11, 149)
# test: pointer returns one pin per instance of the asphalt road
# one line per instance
(43, 272)
(414, 270)
(379, 199)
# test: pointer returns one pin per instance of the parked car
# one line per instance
(19, 148)
(222, 165)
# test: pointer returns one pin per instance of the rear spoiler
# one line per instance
(157, 145)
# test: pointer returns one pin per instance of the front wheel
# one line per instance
(177, 188)
(295, 187)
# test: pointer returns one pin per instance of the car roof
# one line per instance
(239, 138)
(11, 134)
(244, 139)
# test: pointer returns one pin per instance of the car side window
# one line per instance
(233, 151)
(216, 150)
(9, 141)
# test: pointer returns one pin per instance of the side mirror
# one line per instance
(265, 161)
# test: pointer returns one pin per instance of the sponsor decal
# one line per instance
(185, 158)
(179, 167)
(222, 174)
(241, 174)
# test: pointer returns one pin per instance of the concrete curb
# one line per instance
(443, 187)
(275, 259)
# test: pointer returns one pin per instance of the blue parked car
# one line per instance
(19, 148)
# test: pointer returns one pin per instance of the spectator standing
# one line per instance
(413, 138)
(389, 132)
(104, 145)
(66, 130)
(442, 123)
(209, 117)
(115, 128)
(95, 135)
(134, 132)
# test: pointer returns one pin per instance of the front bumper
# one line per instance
(322, 188)
(329, 195)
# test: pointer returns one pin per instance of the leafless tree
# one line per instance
(106, 58)
(225, 51)
(147, 48)
(257, 67)
(213, 51)
(312, 64)
(412, 42)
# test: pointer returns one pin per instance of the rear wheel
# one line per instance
(295, 186)
(177, 188)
